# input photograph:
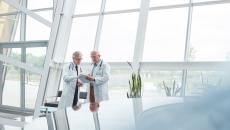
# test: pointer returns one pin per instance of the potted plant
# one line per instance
(135, 91)
(171, 91)
(135, 83)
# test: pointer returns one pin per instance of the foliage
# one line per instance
(171, 91)
(13, 72)
(135, 84)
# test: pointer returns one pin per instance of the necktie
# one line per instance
(75, 99)
(76, 67)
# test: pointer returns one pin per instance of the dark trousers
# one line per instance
(75, 99)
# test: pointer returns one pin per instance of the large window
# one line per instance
(199, 81)
(7, 24)
(118, 37)
(112, 5)
(165, 35)
(5, 7)
(210, 33)
(82, 37)
(87, 6)
(37, 4)
(36, 30)
(35, 57)
(165, 41)
(155, 82)
(11, 90)
(119, 83)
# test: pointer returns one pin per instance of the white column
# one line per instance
(140, 36)
(23, 55)
(99, 25)
(139, 47)
(187, 48)
(56, 51)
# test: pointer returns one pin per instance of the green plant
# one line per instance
(135, 84)
(171, 91)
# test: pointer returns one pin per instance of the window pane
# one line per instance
(16, 37)
(119, 83)
(82, 37)
(167, 2)
(165, 35)
(31, 89)
(112, 5)
(11, 91)
(6, 8)
(154, 81)
(210, 33)
(48, 15)
(198, 81)
(37, 4)
(87, 6)
(36, 30)
(36, 57)
(7, 25)
(118, 37)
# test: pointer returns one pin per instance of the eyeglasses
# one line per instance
(77, 58)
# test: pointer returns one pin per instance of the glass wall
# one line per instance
(7, 22)
(118, 37)
(116, 5)
(165, 41)
(11, 91)
(36, 30)
(82, 37)
(87, 6)
(11, 31)
(156, 81)
(209, 34)
(199, 81)
(165, 36)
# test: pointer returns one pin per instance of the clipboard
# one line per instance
(82, 77)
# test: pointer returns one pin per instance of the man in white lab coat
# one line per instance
(70, 94)
(99, 78)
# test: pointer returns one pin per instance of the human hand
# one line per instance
(79, 83)
(90, 78)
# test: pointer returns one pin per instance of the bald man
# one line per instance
(99, 78)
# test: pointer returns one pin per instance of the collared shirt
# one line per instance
(95, 65)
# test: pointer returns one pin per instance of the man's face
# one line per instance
(77, 60)
(95, 57)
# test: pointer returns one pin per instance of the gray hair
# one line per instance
(95, 52)
(77, 54)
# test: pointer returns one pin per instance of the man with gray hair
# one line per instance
(71, 91)
(98, 78)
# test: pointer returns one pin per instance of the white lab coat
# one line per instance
(101, 74)
(70, 80)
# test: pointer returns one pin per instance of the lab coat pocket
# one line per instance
(99, 73)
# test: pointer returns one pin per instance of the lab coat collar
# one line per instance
(74, 65)
(96, 64)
